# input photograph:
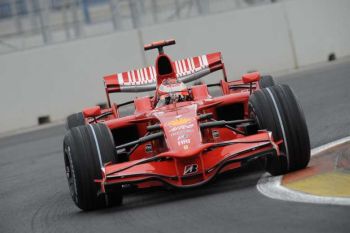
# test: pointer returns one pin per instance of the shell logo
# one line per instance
(179, 121)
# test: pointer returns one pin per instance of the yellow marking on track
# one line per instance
(336, 184)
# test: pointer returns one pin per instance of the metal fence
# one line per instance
(31, 23)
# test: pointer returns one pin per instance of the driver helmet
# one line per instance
(172, 91)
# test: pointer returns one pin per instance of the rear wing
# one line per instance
(144, 79)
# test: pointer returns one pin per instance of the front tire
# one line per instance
(86, 149)
(277, 110)
(75, 120)
(266, 81)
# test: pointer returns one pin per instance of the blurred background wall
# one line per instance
(30, 23)
(53, 53)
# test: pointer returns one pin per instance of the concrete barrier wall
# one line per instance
(251, 39)
(61, 79)
(64, 78)
(318, 28)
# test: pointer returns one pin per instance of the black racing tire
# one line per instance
(74, 120)
(86, 149)
(277, 110)
(266, 81)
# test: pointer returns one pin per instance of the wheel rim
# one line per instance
(70, 174)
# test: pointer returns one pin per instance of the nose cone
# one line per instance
(182, 133)
(181, 129)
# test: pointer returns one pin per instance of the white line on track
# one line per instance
(270, 186)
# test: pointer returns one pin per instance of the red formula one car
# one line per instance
(181, 137)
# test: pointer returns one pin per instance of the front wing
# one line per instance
(193, 168)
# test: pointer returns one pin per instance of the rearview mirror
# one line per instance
(92, 111)
(251, 77)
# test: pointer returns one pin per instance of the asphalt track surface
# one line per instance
(34, 195)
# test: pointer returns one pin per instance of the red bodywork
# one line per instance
(187, 155)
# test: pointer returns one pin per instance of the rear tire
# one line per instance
(74, 120)
(266, 81)
(86, 149)
(277, 110)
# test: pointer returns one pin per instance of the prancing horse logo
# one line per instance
(189, 169)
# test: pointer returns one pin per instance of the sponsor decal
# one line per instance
(182, 136)
(181, 127)
(177, 133)
(184, 142)
(179, 121)
(190, 169)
